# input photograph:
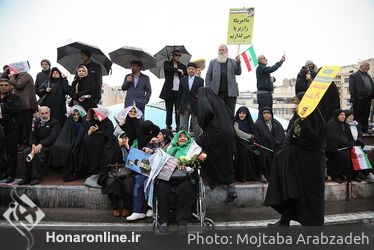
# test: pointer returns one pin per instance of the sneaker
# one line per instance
(163, 228)
(10, 179)
(136, 216)
(149, 213)
(35, 181)
(370, 177)
(24, 181)
(231, 197)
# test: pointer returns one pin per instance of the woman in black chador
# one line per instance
(339, 140)
(83, 89)
(245, 163)
(297, 182)
(67, 147)
(100, 129)
(129, 121)
(269, 133)
(117, 181)
(53, 92)
(215, 118)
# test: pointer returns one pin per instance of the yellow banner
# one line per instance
(317, 89)
(240, 26)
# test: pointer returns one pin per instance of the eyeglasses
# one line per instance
(177, 55)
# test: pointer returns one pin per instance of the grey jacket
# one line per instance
(140, 95)
(23, 86)
(212, 78)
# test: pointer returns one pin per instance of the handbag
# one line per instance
(179, 176)
(118, 171)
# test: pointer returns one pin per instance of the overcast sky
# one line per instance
(329, 32)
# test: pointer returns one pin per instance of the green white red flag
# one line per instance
(250, 58)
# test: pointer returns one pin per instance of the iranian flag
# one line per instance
(359, 159)
(250, 58)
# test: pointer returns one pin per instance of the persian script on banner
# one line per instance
(317, 89)
(240, 26)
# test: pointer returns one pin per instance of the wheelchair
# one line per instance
(199, 214)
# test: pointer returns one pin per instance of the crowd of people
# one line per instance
(83, 142)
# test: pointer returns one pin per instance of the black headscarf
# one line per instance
(54, 80)
(338, 133)
(146, 132)
(168, 135)
(247, 124)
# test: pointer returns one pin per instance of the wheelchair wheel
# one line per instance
(208, 224)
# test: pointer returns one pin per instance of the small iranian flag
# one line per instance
(250, 58)
(359, 159)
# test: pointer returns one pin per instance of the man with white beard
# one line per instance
(46, 130)
(221, 76)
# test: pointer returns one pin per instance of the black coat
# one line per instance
(166, 92)
(338, 136)
(187, 96)
(216, 120)
(130, 128)
(271, 139)
(45, 133)
(94, 72)
(329, 102)
(10, 106)
(55, 99)
(357, 86)
(86, 86)
(41, 77)
(298, 172)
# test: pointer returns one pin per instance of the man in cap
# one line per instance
(305, 77)
(138, 87)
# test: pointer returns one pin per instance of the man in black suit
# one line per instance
(361, 88)
(187, 98)
(174, 71)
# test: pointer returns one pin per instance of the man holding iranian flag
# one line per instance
(265, 81)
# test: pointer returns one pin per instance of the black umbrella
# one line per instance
(165, 54)
(125, 55)
(69, 57)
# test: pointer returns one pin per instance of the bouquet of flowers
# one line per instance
(193, 161)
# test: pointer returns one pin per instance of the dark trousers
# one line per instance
(179, 197)
(265, 100)
(24, 119)
(11, 139)
(120, 202)
(169, 104)
(361, 109)
(34, 168)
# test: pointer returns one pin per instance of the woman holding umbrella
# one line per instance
(53, 92)
(83, 89)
